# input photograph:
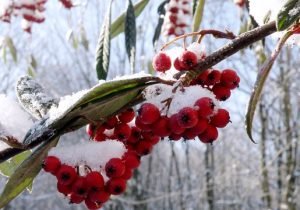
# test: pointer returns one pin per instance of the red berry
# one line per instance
(122, 131)
(188, 59)
(66, 175)
(99, 197)
(144, 148)
(126, 116)
(202, 78)
(90, 129)
(80, 187)
(209, 135)
(160, 127)
(174, 126)
(187, 117)
(199, 127)
(135, 135)
(116, 186)
(111, 122)
(230, 79)
(188, 135)
(222, 93)
(99, 136)
(175, 137)
(173, 9)
(131, 160)
(95, 181)
(114, 168)
(150, 137)
(127, 174)
(75, 198)
(91, 205)
(64, 189)
(220, 119)
(205, 107)
(148, 113)
(142, 126)
(213, 77)
(161, 62)
(51, 164)
(177, 65)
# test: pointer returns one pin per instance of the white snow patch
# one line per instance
(64, 105)
(13, 119)
(157, 94)
(93, 154)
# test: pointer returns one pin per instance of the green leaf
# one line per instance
(259, 84)
(161, 12)
(197, 19)
(8, 167)
(118, 25)
(25, 173)
(103, 47)
(130, 35)
(97, 103)
(101, 101)
(12, 49)
(288, 15)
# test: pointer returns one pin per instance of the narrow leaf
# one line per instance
(161, 12)
(25, 173)
(288, 15)
(12, 48)
(103, 47)
(130, 35)
(197, 19)
(259, 84)
(118, 25)
(8, 167)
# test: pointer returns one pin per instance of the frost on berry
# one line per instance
(161, 62)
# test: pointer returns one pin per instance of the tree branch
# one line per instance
(235, 45)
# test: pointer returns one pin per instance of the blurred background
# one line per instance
(231, 174)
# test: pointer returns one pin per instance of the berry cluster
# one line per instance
(122, 128)
(200, 120)
(176, 18)
(89, 185)
(185, 61)
(219, 82)
(31, 11)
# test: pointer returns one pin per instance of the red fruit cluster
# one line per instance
(185, 61)
(90, 187)
(221, 83)
(190, 122)
(30, 11)
(177, 13)
(117, 127)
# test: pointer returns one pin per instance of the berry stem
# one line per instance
(201, 34)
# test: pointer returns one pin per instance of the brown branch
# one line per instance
(235, 45)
